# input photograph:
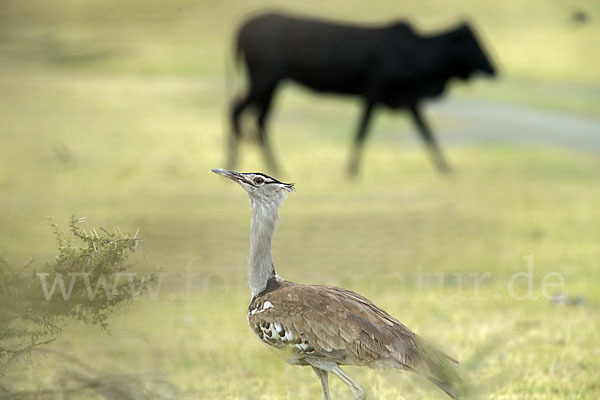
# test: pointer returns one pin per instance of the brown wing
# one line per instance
(324, 321)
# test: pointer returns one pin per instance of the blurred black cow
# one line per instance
(391, 65)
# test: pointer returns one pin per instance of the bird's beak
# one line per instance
(234, 176)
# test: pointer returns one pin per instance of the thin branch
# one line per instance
(25, 349)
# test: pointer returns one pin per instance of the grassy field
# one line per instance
(116, 112)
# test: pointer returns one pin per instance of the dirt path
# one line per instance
(460, 122)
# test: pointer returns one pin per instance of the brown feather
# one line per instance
(329, 322)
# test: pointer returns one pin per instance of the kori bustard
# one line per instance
(323, 326)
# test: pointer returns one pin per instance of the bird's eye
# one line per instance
(258, 180)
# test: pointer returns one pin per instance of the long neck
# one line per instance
(261, 268)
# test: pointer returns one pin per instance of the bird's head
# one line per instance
(260, 187)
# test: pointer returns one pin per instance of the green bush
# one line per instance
(87, 281)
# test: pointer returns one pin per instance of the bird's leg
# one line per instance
(359, 392)
(322, 374)
(429, 139)
(361, 134)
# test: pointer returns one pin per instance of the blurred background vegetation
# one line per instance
(116, 111)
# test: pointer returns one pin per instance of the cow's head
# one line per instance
(468, 54)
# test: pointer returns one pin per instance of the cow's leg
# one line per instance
(429, 139)
(236, 134)
(361, 134)
(263, 113)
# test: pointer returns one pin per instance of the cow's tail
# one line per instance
(237, 51)
(229, 77)
(232, 70)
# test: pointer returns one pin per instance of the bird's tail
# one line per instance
(442, 370)
(451, 388)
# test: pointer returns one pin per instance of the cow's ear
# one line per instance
(402, 27)
(465, 27)
(462, 31)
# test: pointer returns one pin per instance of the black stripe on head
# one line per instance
(270, 178)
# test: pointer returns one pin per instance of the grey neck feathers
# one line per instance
(264, 221)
